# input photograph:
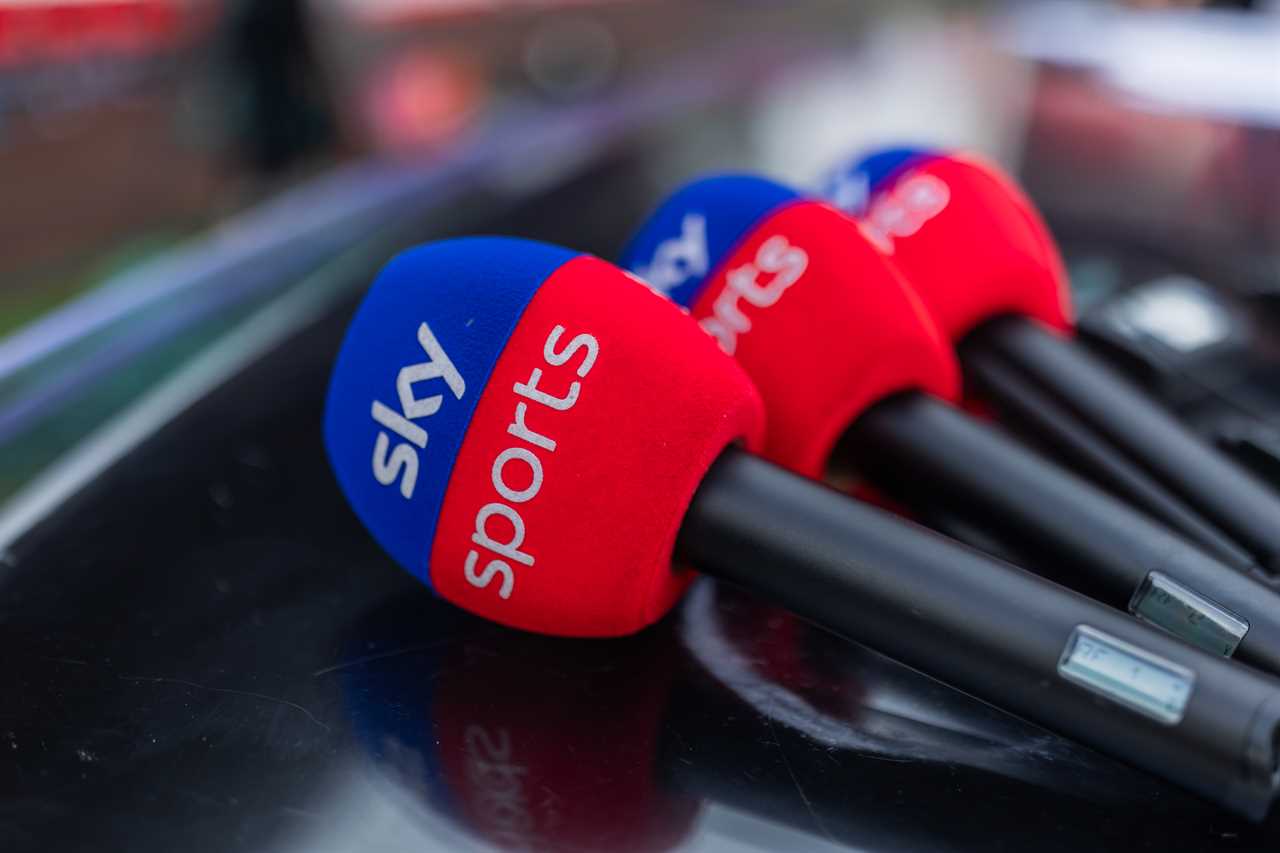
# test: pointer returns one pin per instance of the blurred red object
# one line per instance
(57, 30)
(400, 13)
(423, 98)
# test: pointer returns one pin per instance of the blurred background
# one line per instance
(193, 195)
(167, 166)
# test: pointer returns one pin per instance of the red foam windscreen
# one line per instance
(824, 326)
(970, 242)
(600, 418)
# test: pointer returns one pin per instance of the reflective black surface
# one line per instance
(204, 650)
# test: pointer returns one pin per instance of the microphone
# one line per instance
(537, 436)
(849, 363)
(981, 258)
(492, 394)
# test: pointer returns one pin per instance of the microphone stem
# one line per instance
(1043, 423)
(926, 453)
(990, 629)
(1106, 404)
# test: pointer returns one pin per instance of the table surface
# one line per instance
(204, 646)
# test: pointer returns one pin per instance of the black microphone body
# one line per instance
(993, 630)
(1225, 494)
(924, 453)
(1035, 417)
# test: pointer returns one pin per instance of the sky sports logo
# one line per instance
(679, 258)
(401, 462)
(686, 257)
(902, 209)
(499, 547)
(759, 283)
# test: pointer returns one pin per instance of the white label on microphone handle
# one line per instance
(1127, 674)
(1185, 613)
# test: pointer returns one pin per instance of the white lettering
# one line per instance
(578, 342)
(493, 567)
(498, 782)
(522, 432)
(776, 257)
(530, 391)
(727, 338)
(904, 210)
(437, 366)
(679, 258)
(517, 496)
(398, 424)
(510, 550)
(786, 262)
(386, 470)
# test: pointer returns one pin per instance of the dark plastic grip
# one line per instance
(981, 625)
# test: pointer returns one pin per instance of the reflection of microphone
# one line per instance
(854, 700)
(573, 413)
(525, 742)
(982, 260)
(838, 343)
(900, 768)
(550, 743)
(546, 744)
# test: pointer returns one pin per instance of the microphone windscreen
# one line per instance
(791, 288)
(966, 237)
(522, 428)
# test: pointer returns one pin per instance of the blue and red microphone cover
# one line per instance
(523, 427)
(790, 287)
(966, 237)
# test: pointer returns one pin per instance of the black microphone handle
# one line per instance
(1042, 422)
(924, 452)
(1223, 492)
(990, 629)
